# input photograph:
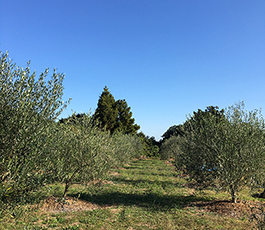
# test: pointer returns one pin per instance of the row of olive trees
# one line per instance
(36, 150)
(225, 150)
(84, 153)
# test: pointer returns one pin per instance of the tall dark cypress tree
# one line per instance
(106, 112)
(114, 115)
(125, 122)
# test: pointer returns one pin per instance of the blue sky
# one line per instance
(165, 58)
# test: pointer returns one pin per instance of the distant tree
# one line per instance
(200, 117)
(150, 145)
(125, 148)
(125, 122)
(170, 148)
(114, 116)
(210, 110)
(106, 113)
(74, 119)
(174, 130)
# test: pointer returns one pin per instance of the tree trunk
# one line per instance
(233, 193)
(67, 185)
(69, 182)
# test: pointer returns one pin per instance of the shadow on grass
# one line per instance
(135, 167)
(149, 201)
(139, 182)
(164, 173)
(146, 166)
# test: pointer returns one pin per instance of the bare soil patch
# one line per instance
(114, 173)
(227, 208)
(100, 182)
(70, 204)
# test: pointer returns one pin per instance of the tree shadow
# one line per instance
(163, 174)
(137, 182)
(152, 201)
(132, 167)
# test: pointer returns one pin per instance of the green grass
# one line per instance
(148, 194)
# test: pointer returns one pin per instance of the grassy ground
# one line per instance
(148, 194)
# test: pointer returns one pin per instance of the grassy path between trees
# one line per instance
(147, 194)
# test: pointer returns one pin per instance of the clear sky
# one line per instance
(166, 58)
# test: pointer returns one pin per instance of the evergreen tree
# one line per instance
(125, 122)
(106, 112)
(73, 119)
(114, 115)
(175, 130)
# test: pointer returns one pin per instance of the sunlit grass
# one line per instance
(148, 194)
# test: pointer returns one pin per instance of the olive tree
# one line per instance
(28, 107)
(82, 152)
(125, 147)
(170, 148)
(227, 152)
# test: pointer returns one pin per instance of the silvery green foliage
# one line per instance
(125, 148)
(227, 153)
(82, 153)
(170, 148)
(137, 146)
(28, 106)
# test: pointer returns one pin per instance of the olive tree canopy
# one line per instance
(227, 152)
(28, 105)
